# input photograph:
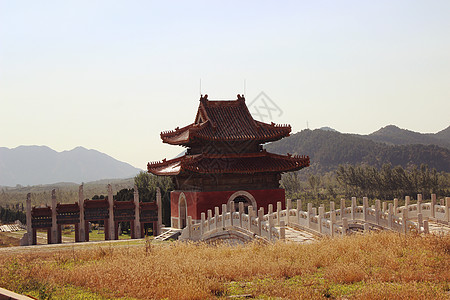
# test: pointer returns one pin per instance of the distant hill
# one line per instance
(444, 134)
(326, 128)
(396, 136)
(328, 149)
(34, 165)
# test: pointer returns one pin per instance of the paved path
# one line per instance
(71, 246)
(298, 236)
(439, 228)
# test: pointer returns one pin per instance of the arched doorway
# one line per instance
(244, 200)
(244, 197)
(182, 211)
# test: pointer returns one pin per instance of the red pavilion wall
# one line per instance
(198, 202)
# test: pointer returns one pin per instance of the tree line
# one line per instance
(8, 215)
(363, 180)
(391, 182)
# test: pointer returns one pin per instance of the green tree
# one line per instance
(147, 184)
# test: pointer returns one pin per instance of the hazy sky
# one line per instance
(111, 75)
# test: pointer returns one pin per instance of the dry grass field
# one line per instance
(375, 266)
(8, 239)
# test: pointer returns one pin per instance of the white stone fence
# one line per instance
(337, 221)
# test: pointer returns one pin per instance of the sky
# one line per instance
(111, 75)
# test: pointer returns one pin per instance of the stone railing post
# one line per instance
(250, 215)
(288, 204)
(278, 213)
(241, 212)
(365, 207)
(82, 228)
(447, 209)
(216, 217)
(405, 221)
(250, 211)
(224, 213)
(260, 218)
(299, 206)
(54, 234)
(202, 223)
(159, 204)
(111, 223)
(342, 208)
(189, 226)
(209, 219)
(231, 212)
(433, 204)
(332, 206)
(353, 208)
(321, 213)
(390, 213)
(137, 221)
(344, 226)
(419, 203)
(384, 206)
(407, 202)
(426, 228)
(419, 223)
(377, 211)
(29, 227)
(333, 220)
(270, 211)
(230, 206)
(309, 214)
(288, 209)
(395, 206)
(282, 231)
(270, 214)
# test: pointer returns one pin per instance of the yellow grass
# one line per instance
(376, 266)
(8, 239)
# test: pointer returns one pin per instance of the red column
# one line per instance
(77, 233)
(58, 234)
(34, 236)
(106, 226)
(86, 231)
(49, 235)
(132, 232)
(116, 230)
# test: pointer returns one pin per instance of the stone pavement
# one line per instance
(439, 228)
(298, 236)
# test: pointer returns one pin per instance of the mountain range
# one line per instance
(34, 165)
(393, 135)
(328, 148)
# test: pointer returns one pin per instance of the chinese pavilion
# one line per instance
(224, 161)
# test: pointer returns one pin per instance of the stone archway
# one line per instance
(245, 197)
(182, 211)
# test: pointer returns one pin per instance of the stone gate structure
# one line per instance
(52, 218)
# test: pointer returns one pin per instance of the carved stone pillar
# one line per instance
(137, 223)
(111, 223)
(54, 223)
(433, 204)
(159, 204)
(82, 227)
(29, 227)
